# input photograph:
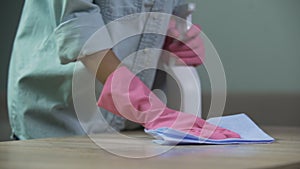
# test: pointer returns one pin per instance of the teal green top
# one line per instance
(50, 36)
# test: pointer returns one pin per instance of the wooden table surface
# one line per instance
(82, 153)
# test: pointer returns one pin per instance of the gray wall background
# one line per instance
(258, 42)
(9, 14)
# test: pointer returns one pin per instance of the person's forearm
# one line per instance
(101, 64)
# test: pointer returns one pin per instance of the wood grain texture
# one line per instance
(83, 153)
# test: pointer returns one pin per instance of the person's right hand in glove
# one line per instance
(190, 49)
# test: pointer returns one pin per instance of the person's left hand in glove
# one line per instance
(188, 47)
(124, 94)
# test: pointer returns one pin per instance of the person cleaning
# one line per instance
(50, 36)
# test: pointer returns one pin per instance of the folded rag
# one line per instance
(239, 123)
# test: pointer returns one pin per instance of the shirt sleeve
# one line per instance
(77, 21)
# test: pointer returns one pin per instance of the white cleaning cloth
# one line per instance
(239, 123)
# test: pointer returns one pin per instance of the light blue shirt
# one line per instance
(50, 35)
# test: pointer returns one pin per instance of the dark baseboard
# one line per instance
(265, 109)
(4, 123)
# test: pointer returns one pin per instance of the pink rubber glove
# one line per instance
(126, 95)
(193, 55)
